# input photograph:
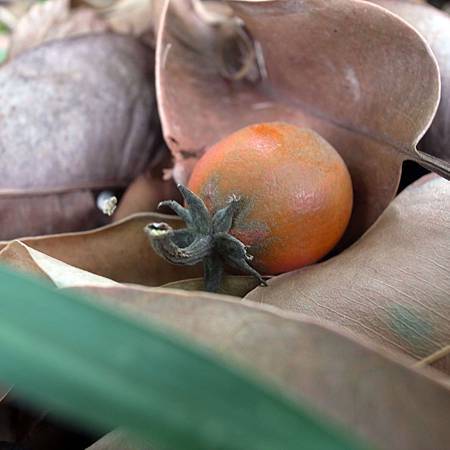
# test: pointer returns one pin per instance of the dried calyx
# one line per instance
(206, 238)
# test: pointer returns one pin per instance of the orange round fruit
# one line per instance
(295, 190)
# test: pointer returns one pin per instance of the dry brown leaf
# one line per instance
(79, 114)
(362, 78)
(144, 194)
(393, 285)
(119, 252)
(27, 259)
(434, 25)
(374, 394)
(130, 16)
(136, 17)
(51, 20)
(25, 213)
(149, 188)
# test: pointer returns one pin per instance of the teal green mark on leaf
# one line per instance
(104, 370)
(414, 330)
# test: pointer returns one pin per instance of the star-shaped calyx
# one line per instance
(206, 238)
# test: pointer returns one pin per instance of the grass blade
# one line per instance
(103, 369)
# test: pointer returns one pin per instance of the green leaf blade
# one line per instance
(105, 370)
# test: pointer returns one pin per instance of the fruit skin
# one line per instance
(295, 189)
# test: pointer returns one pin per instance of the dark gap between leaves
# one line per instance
(30, 429)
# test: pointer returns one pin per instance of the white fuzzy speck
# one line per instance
(353, 83)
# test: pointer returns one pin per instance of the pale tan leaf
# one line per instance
(120, 252)
(24, 258)
(375, 394)
(392, 286)
(130, 16)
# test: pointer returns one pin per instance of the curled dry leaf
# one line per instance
(352, 71)
(434, 25)
(16, 255)
(52, 20)
(77, 115)
(24, 258)
(393, 285)
(119, 252)
(129, 16)
(376, 395)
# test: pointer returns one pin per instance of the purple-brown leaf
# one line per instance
(434, 25)
(362, 78)
(76, 115)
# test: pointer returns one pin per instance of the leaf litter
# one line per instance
(299, 352)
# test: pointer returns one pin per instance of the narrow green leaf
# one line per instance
(104, 369)
(3, 28)
(3, 55)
